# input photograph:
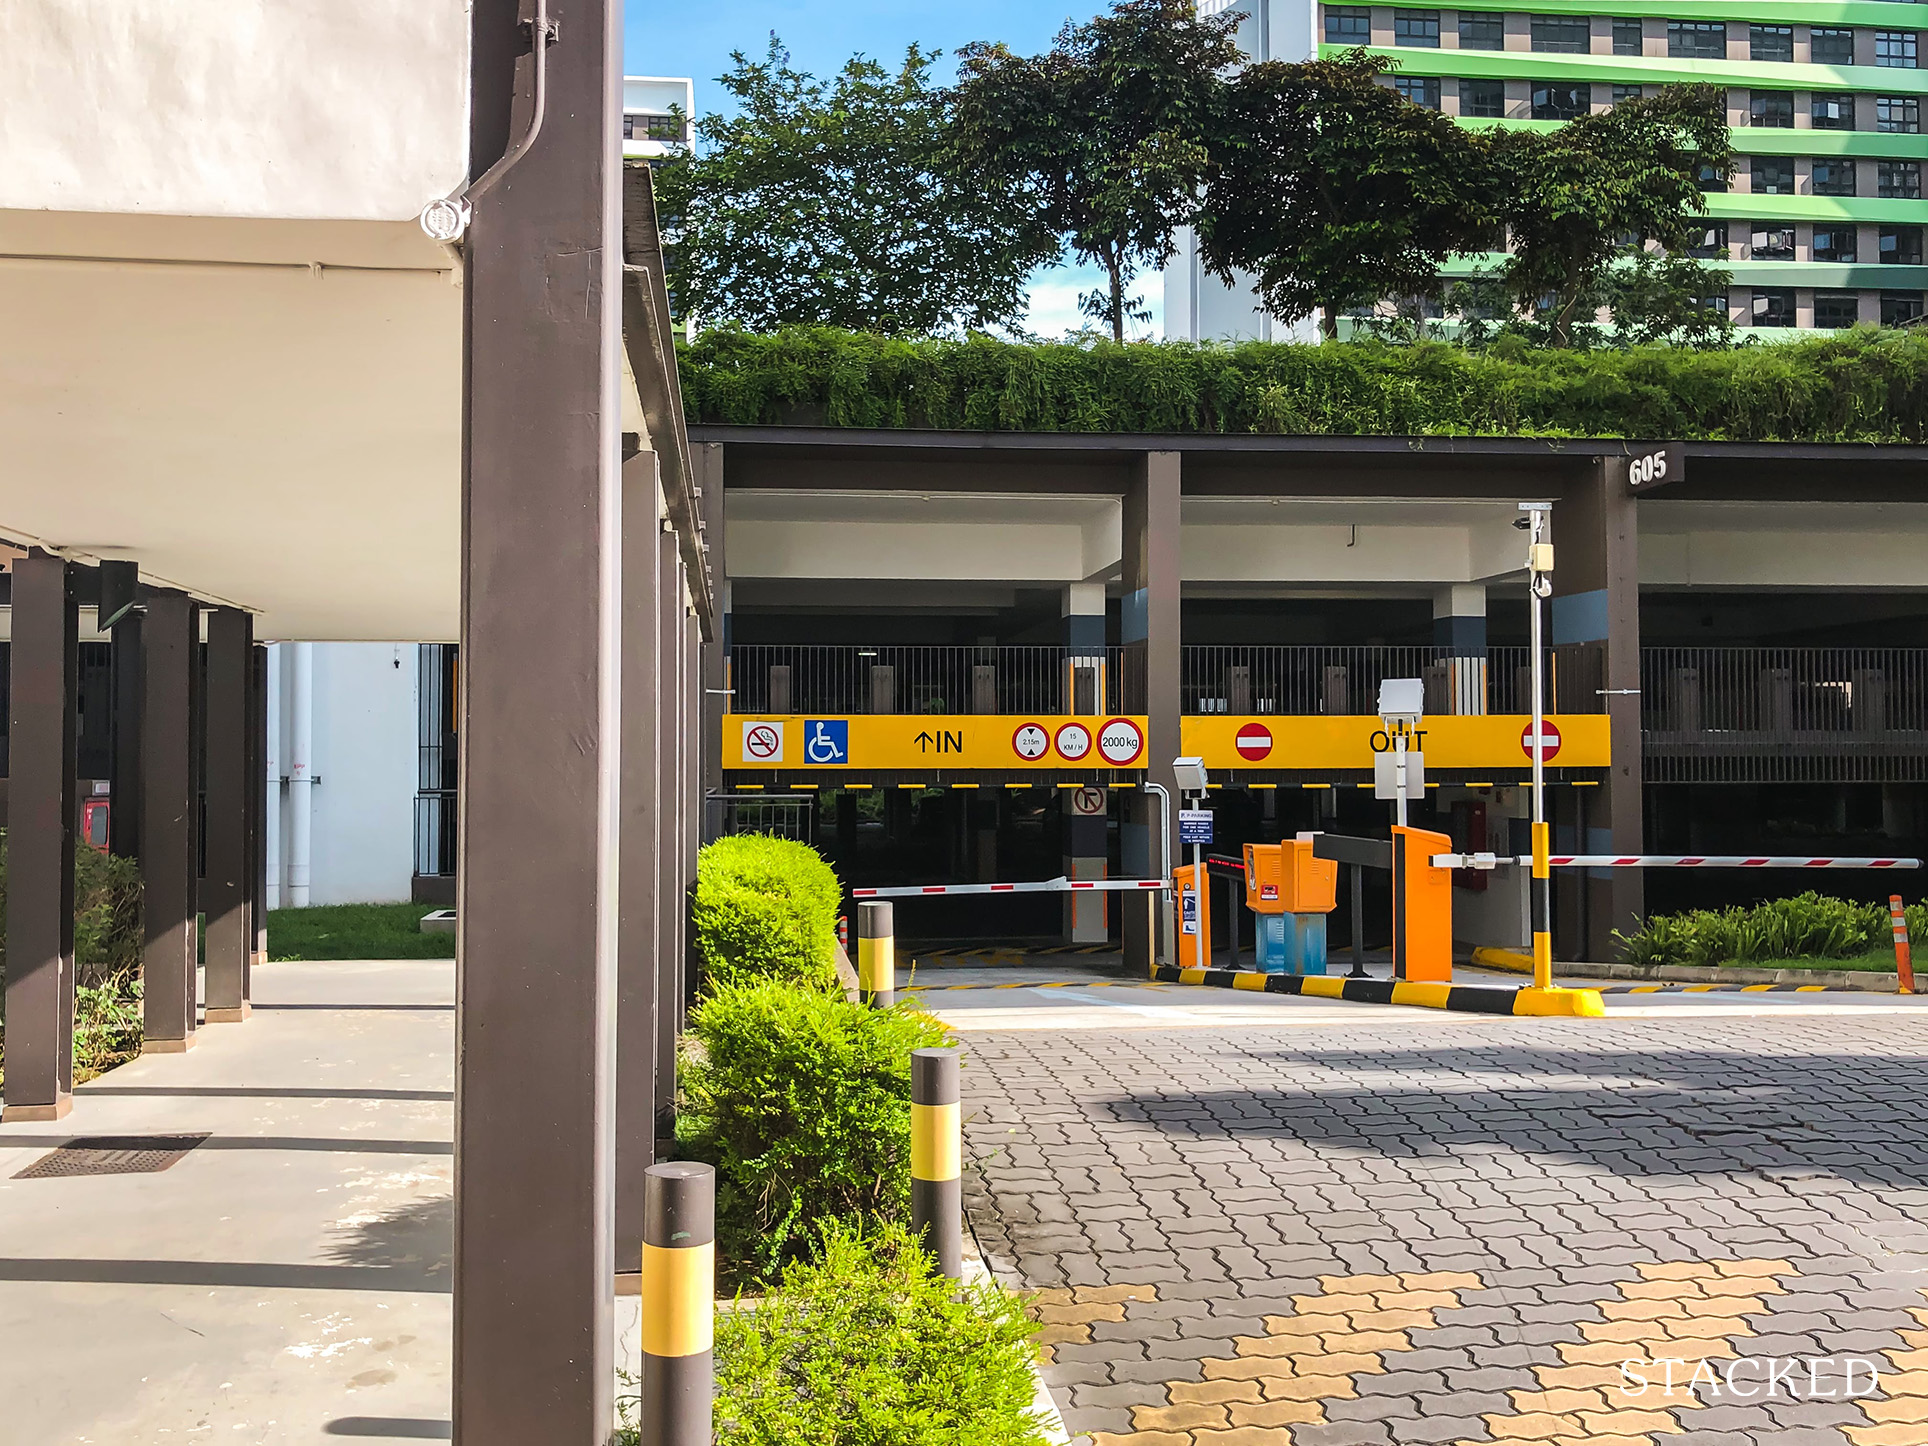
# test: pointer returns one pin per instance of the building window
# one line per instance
(1482, 98)
(1626, 92)
(1416, 27)
(1836, 310)
(1898, 115)
(1895, 48)
(1348, 25)
(1771, 176)
(1696, 40)
(1562, 34)
(1832, 176)
(1626, 37)
(645, 127)
(1831, 112)
(1482, 30)
(1560, 102)
(1712, 177)
(1834, 243)
(1900, 307)
(1770, 42)
(1419, 89)
(1901, 246)
(1772, 108)
(1771, 241)
(1831, 47)
(1712, 243)
(1898, 180)
(1774, 306)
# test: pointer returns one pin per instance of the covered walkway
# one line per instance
(287, 1279)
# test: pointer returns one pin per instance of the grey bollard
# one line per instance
(876, 955)
(936, 1158)
(678, 1304)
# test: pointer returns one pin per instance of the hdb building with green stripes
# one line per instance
(1822, 217)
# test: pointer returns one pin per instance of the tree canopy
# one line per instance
(1108, 132)
(833, 203)
(1333, 190)
(1575, 196)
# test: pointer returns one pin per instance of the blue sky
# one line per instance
(695, 39)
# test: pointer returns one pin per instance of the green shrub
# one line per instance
(1807, 926)
(802, 1102)
(766, 908)
(1860, 385)
(868, 1346)
(107, 1024)
(107, 913)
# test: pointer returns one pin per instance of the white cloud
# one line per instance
(1054, 292)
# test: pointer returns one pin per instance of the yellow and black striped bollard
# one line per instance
(1540, 910)
(679, 1304)
(936, 1155)
(876, 955)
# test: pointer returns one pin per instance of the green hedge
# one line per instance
(766, 908)
(1862, 385)
(868, 1344)
(1807, 926)
(802, 1102)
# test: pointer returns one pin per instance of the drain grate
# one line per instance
(111, 1155)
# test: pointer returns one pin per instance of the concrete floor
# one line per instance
(287, 1280)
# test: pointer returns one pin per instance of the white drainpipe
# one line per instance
(301, 782)
(271, 814)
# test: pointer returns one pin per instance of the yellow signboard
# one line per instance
(932, 741)
(1496, 740)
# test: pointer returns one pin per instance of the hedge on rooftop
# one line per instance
(1856, 386)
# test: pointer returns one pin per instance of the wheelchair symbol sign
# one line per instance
(826, 740)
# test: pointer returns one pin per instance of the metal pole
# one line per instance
(1358, 920)
(1541, 886)
(678, 1288)
(936, 1158)
(1399, 777)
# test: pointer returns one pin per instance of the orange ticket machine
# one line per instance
(1422, 896)
(1290, 890)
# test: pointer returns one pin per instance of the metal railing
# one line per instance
(435, 831)
(435, 755)
(777, 814)
(1784, 714)
(837, 680)
(1306, 681)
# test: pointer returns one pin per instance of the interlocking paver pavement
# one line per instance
(1489, 1231)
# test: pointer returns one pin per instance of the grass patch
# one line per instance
(355, 931)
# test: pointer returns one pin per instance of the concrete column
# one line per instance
(706, 461)
(1084, 641)
(43, 675)
(258, 799)
(1596, 601)
(639, 938)
(120, 585)
(170, 812)
(1086, 856)
(1149, 629)
(692, 797)
(540, 763)
(669, 823)
(1459, 626)
(224, 898)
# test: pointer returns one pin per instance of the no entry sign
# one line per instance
(1549, 740)
(1254, 742)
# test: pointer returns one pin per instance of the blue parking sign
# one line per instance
(1194, 825)
(826, 740)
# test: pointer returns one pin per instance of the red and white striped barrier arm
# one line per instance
(1671, 861)
(1041, 886)
(1721, 861)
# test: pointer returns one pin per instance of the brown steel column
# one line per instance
(120, 615)
(1149, 630)
(1596, 602)
(692, 793)
(170, 815)
(540, 752)
(706, 460)
(639, 938)
(669, 823)
(43, 667)
(257, 808)
(224, 896)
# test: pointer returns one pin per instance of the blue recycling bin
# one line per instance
(1291, 943)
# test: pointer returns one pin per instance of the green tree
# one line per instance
(1659, 297)
(1107, 133)
(1575, 196)
(829, 202)
(1332, 190)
